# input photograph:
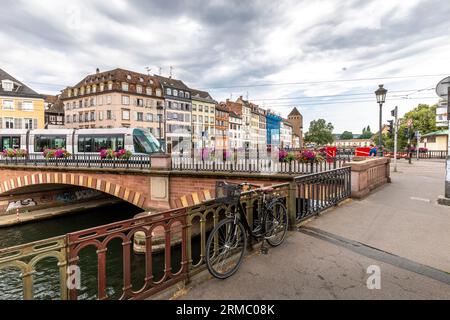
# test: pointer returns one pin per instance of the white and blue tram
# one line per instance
(80, 141)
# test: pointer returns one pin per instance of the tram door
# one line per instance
(10, 143)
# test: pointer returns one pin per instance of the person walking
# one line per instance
(373, 151)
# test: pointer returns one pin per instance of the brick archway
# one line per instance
(82, 180)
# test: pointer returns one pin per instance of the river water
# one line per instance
(46, 278)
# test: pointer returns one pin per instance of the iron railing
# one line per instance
(320, 191)
(430, 154)
(256, 166)
(81, 160)
(25, 259)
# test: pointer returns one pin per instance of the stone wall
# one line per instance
(367, 174)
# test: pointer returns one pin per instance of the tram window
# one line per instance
(51, 142)
(10, 143)
(97, 143)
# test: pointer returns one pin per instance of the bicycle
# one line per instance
(227, 242)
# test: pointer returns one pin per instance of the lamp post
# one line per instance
(381, 98)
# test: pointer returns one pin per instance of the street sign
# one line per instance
(442, 87)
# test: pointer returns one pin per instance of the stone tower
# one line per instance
(295, 118)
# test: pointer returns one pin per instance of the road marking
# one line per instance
(378, 254)
(420, 199)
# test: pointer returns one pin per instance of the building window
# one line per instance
(139, 89)
(158, 92)
(194, 118)
(100, 115)
(169, 91)
(128, 77)
(108, 115)
(140, 102)
(88, 89)
(187, 95)
(92, 116)
(148, 91)
(139, 116)
(74, 118)
(125, 100)
(125, 86)
(206, 109)
(28, 123)
(94, 88)
(8, 105)
(7, 85)
(102, 87)
(110, 85)
(92, 102)
(125, 114)
(108, 99)
(149, 117)
(175, 92)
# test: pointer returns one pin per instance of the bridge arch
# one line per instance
(82, 180)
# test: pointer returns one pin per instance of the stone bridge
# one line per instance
(159, 188)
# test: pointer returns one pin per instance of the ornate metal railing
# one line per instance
(320, 191)
(256, 165)
(164, 225)
(81, 160)
(25, 258)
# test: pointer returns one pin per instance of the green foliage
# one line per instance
(424, 121)
(320, 132)
(366, 133)
(346, 135)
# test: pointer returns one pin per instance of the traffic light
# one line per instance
(391, 126)
(406, 132)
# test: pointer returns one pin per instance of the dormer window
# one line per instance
(139, 89)
(124, 86)
(175, 92)
(186, 94)
(128, 77)
(158, 92)
(169, 91)
(149, 91)
(7, 85)
(141, 79)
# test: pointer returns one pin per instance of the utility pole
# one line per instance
(395, 114)
(417, 144)
(443, 91)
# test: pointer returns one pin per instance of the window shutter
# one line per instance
(1, 123)
(34, 123)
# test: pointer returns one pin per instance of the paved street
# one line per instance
(399, 228)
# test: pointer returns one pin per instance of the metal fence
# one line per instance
(81, 160)
(320, 191)
(256, 165)
(430, 154)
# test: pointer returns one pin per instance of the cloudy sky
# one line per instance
(325, 57)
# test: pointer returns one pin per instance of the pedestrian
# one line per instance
(373, 151)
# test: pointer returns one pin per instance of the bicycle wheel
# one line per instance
(276, 223)
(225, 248)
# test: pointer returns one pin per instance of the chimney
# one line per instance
(97, 71)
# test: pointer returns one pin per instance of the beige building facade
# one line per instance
(115, 99)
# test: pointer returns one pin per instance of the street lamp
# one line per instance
(381, 98)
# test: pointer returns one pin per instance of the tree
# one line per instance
(320, 132)
(424, 121)
(366, 133)
(346, 135)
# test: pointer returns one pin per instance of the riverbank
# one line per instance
(49, 213)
